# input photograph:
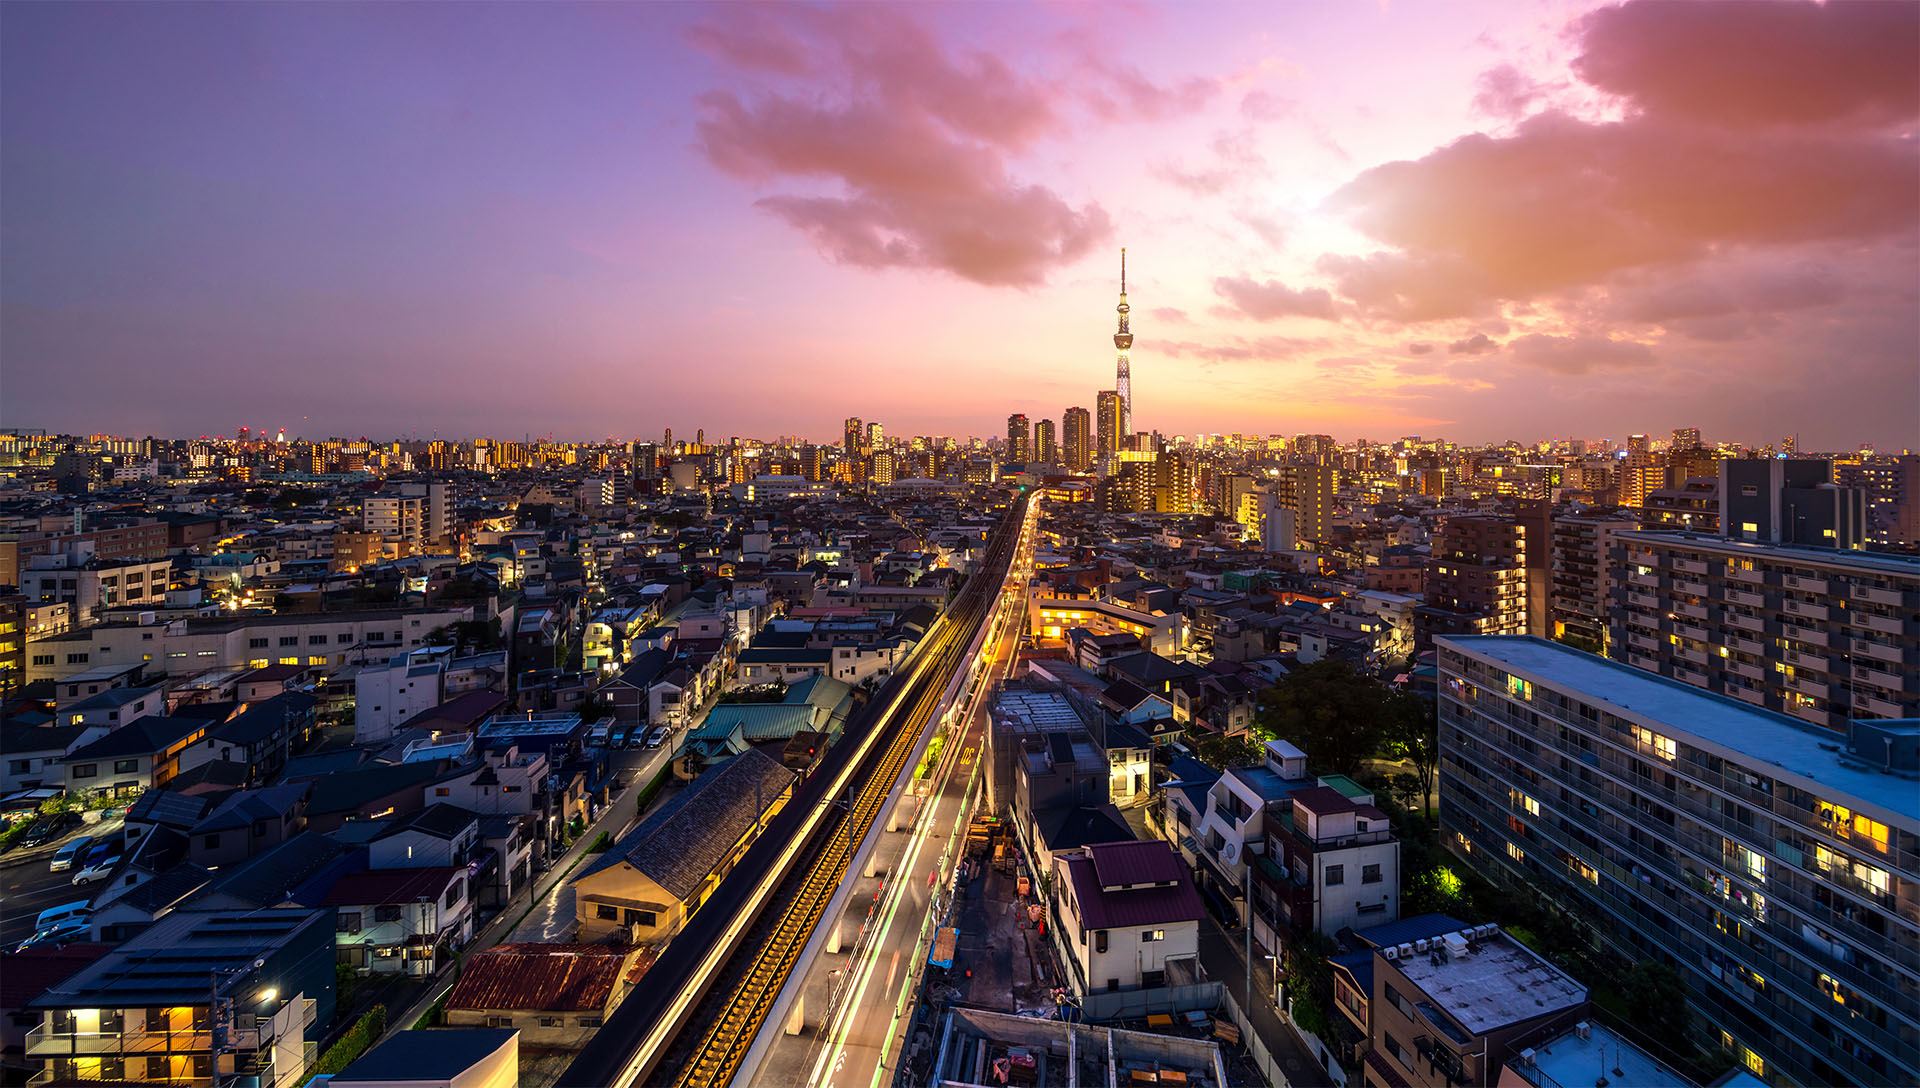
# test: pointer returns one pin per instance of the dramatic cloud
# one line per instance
(919, 141)
(1170, 315)
(1506, 92)
(1707, 164)
(1234, 160)
(1578, 354)
(1419, 347)
(1477, 344)
(1748, 64)
(1271, 301)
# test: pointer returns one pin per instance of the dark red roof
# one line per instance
(1102, 909)
(539, 977)
(37, 970)
(1118, 864)
(466, 710)
(1323, 801)
(382, 886)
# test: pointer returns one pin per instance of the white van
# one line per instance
(73, 851)
(78, 910)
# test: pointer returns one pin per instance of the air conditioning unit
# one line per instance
(1390, 953)
(1526, 1056)
(1420, 945)
(1583, 1029)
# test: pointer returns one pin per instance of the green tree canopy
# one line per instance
(1337, 716)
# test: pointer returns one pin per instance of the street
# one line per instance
(27, 887)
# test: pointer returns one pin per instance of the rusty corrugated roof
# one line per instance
(539, 977)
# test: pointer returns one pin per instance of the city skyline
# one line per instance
(1482, 222)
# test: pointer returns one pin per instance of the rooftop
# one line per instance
(1907, 566)
(1589, 1052)
(545, 977)
(441, 1055)
(1731, 729)
(1497, 983)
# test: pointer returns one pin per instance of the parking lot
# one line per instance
(28, 887)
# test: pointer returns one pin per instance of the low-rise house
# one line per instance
(1123, 915)
(258, 737)
(787, 664)
(401, 920)
(1332, 861)
(373, 790)
(437, 835)
(35, 754)
(659, 873)
(116, 707)
(554, 995)
(141, 755)
(507, 780)
(246, 823)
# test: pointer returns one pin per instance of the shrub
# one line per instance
(353, 1044)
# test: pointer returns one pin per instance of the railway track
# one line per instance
(638, 1043)
(730, 1036)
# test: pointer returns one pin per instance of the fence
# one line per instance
(1139, 1004)
(1257, 1053)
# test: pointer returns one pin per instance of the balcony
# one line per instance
(1745, 645)
(1807, 583)
(1745, 597)
(1651, 581)
(1690, 630)
(1887, 680)
(1886, 625)
(1688, 585)
(1875, 595)
(45, 1043)
(1691, 611)
(1880, 708)
(1691, 566)
(1818, 689)
(1643, 661)
(1742, 668)
(1806, 609)
(1808, 661)
(1804, 634)
(1642, 642)
(1879, 651)
(1745, 623)
(1643, 600)
(1748, 695)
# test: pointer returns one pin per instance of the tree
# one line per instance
(1310, 981)
(1656, 1000)
(1332, 713)
(1219, 751)
(1413, 734)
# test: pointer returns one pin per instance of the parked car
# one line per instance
(657, 737)
(55, 935)
(100, 861)
(48, 828)
(79, 909)
(71, 851)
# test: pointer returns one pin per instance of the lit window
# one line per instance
(1516, 853)
(1663, 747)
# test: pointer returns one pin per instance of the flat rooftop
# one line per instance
(1798, 751)
(1038, 711)
(1500, 983)
(1571, 1059)
(1907, 566)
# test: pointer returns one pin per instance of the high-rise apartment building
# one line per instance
(853, 435)
(1892, 485)
(1685, 438)
(1045, 449)
(1307, 490)
(1581, 572)
(1488, 576)
(1019, 441)
(1822, 634)
(395, 517)
(876, 435)
(1110, 425)
(1776, 866)
(883, 468)
(1075, 438)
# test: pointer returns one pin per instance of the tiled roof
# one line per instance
(539, 977)
(240, 810)
(1100, 909)
(146, 736)
(469, 709)
(681, 843)
(379, 886)
(1118, 864)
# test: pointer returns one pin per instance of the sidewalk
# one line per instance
(1222, 957)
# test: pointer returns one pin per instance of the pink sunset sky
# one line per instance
(1474, 220)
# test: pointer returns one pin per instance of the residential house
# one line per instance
(408, 921)
(554, 995)
(659, 873)
(1332, 861)
(1124, 914)
(140, 755)
(246, 823)
(35, 754)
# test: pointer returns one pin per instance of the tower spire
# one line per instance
(1123, 341)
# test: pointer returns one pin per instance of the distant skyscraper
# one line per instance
(1019, 443)
(1123, 341)
(1686, 438)
(1110, 423)
(874, 435)
(1639, 445)
(1074, 427)
(854, 433)
(1044, 449)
